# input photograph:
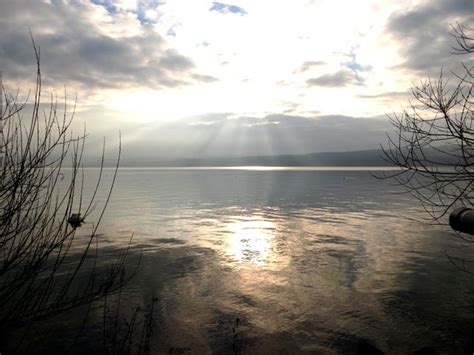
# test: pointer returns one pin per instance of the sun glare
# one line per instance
(250, 240)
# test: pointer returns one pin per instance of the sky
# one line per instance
(202, 78)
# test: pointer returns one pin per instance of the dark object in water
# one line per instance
(426, 350)
(365, 348)
(462, 220)
(75, 220)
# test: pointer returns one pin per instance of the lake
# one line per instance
(308, 261)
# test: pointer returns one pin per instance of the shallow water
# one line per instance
(307, 260)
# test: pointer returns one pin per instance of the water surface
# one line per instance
(308, 260)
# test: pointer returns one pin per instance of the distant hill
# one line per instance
(361, 158)
(354, 158)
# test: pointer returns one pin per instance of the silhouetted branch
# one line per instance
(464, 36)
(44, 269)
(434, 139)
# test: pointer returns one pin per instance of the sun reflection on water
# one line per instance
(250, 240)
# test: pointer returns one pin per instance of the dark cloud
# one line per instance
(423, 33)
(340, 78)
(75, 48)
(223, 134)
(226, 8)
(172, 60)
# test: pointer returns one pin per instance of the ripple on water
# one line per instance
(308, 261)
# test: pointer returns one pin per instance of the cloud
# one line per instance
(204, 78)
(174, 61)
(309, 64)
(89, 45)
(226, 8)
(225, 134)
(283, 82)
(391, 95)
(423, 35)
(115, 52)
(341, 78)
(144, 10)
(172, 31)
(108, 5)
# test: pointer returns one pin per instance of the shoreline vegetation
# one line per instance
(52, 277)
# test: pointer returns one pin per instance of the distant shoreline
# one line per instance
(355, 160)
(258, 168)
